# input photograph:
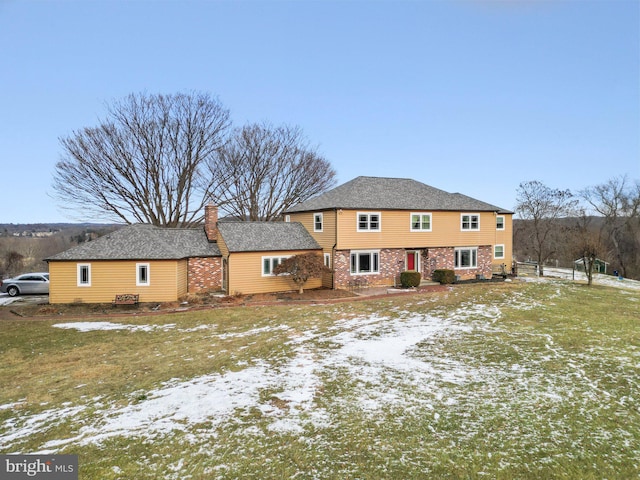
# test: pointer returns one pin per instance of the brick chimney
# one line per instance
(210, 222)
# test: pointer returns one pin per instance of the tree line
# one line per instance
(20, 254)
(160, 159)
(597, 222)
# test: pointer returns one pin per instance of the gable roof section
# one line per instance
(266, 236)
(143, 242)
(377, 193)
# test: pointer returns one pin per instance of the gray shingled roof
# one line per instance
(144, 242)
(266, 236)
(376, 193)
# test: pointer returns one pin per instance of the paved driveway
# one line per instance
(6, 300)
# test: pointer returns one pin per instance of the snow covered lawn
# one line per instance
(598, 278)
(534, 380)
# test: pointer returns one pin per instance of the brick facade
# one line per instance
(444, 258)
(437, 259)
(392, 263)
(485, 259)
(341, 275)
(204, 274)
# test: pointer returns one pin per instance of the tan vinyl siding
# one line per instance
(505, 237)
(246, 274)
(182, 283)
(396, 231)
(109, 278)
(224, 250)
(327, 238)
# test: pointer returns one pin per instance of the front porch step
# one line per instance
(426, 283)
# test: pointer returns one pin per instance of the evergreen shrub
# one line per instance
(410, 278)
(444, 276)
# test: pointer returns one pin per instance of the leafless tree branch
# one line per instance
(263, 170)
(147, 162)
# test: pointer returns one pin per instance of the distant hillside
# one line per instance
(23, 247)
(621, 254)
(48, 229)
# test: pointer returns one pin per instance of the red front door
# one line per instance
(411, 261)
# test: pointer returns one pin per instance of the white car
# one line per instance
(37, 283)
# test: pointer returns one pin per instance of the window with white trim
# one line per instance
(498, 251)
(142, 274)
(368, 222)
(420, 222)
(84, 274)
(500, 222)
(466, 257)
(365, 262)
(327, 260)
(470, 221)
(269, 263)
(287, 218)
(317, 222)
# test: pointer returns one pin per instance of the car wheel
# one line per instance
(13, 291)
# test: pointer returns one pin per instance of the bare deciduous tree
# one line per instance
(263, 170)
(13, 263)
(543, 207)
(618, 202)
(586, 244)
(147, 162)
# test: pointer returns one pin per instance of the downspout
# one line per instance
(227, 274)
(333, 251)
(495, 242)
(188, 273)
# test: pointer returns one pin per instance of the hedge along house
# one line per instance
(375, 228)
(158, 264)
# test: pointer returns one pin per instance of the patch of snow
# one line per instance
(598, 278)
(21, 427)
(6, 300)
(8, 406)
(199, 328)
(255, 331)
(176, 405)
(384, 356)
(97, 326)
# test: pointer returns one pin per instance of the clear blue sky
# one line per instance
(467, 96)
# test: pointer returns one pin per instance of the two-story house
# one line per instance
(378, 227)
(370, 227)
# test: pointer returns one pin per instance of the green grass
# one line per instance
(531, 380)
